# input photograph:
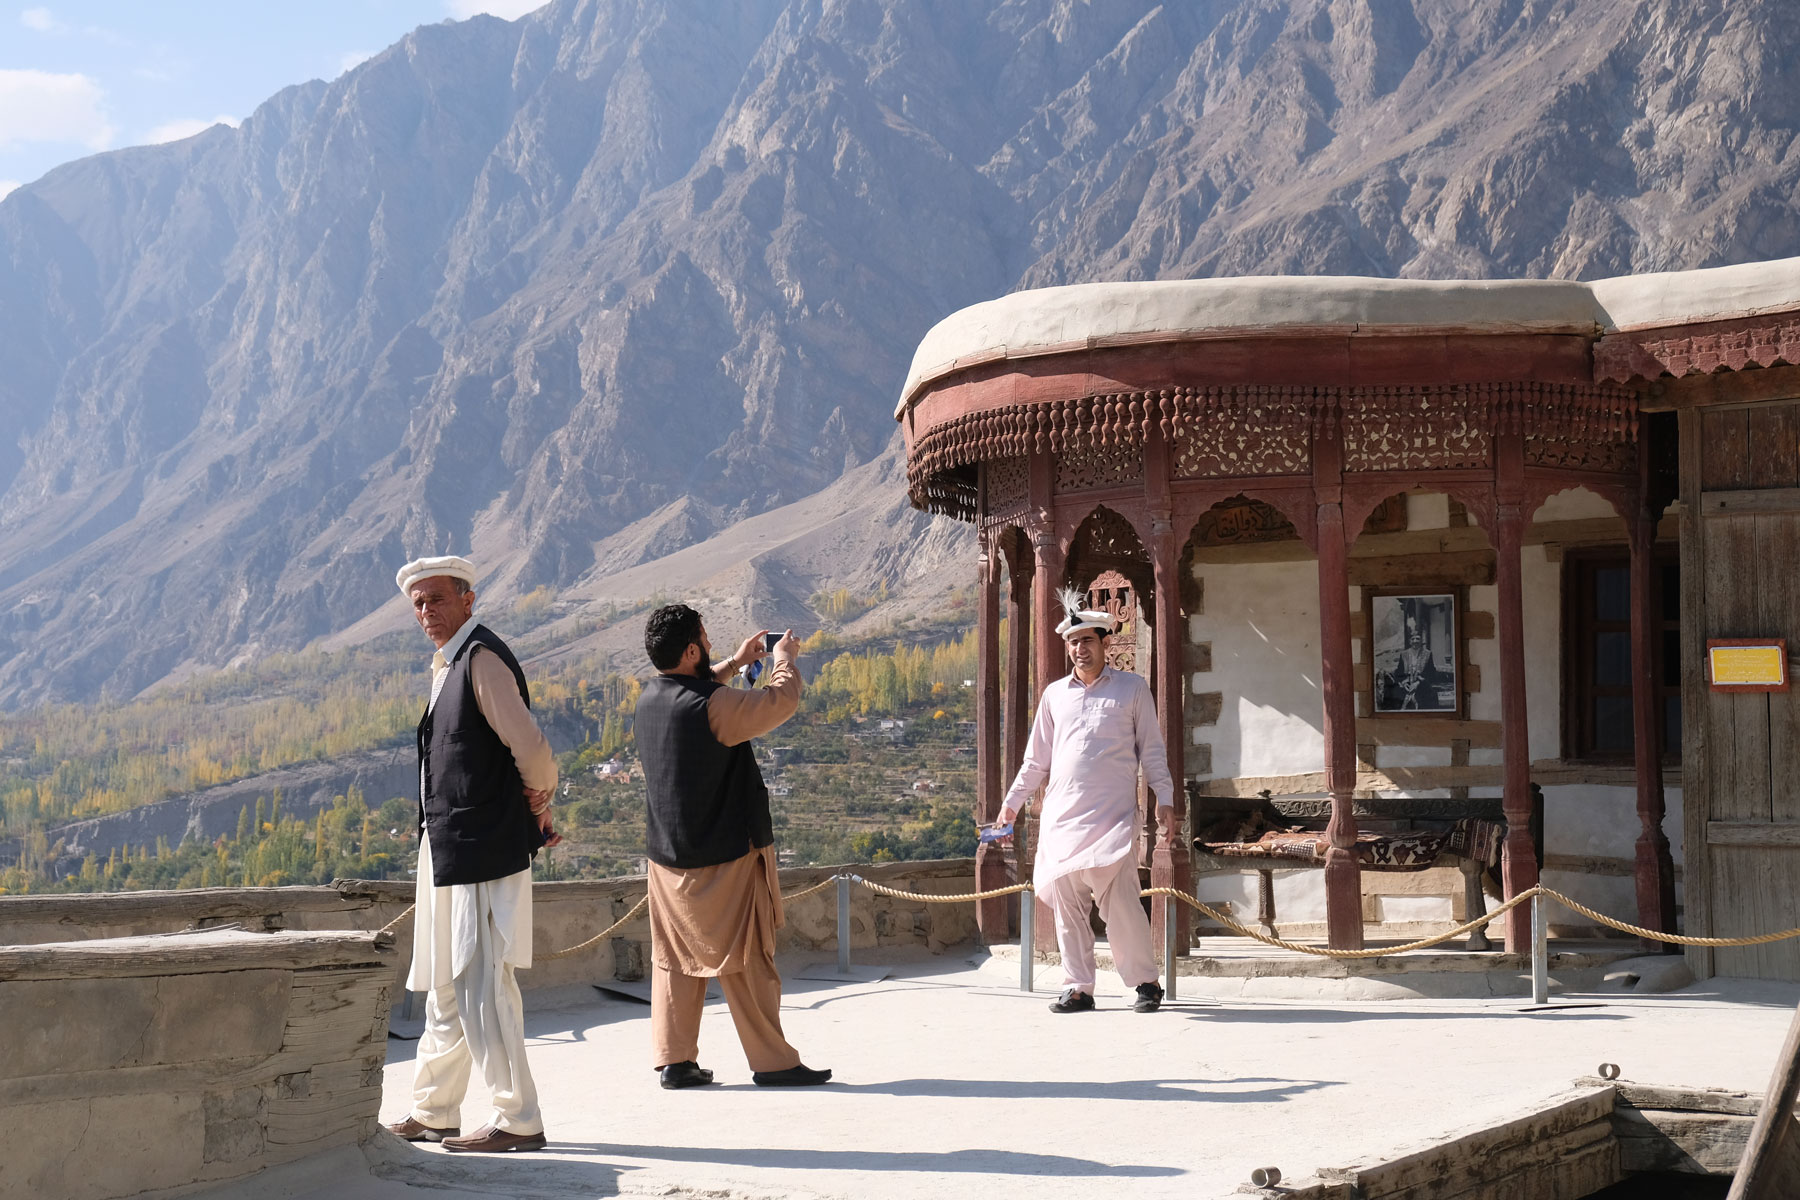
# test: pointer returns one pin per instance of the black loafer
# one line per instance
(1149, 997)
(1073, 1001)
(800, 1076)
(685, 1075)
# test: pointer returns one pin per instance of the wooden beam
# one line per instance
(1756, 500)
(1770, 1169)
(1723, 389)
(1471, 567)
(1753, 833)
(192, 954)
(1427, 731)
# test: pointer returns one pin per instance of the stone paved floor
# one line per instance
(950, 1082)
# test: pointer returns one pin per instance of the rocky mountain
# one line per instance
(579, 291)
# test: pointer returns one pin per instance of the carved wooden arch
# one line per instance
(1014, 545)
(1363, 497)
(1622, 496)
(1294, 503)
(1105, 539)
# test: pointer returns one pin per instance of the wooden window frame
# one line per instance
(1577, 687)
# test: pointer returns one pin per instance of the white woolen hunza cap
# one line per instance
(427, 568)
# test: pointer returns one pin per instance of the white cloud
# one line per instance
(7, 185)
(42, 20)
(185, 127)
(38, 106)
(353, 58)
(506, 10)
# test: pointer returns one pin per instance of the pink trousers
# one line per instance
(1115, 892)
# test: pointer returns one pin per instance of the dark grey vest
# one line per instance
(707, 802)
(471, 797)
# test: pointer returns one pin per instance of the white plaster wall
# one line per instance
(1263, 622)
(1541, 582)
(1576, 504)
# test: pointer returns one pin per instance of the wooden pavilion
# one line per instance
(1497, 473)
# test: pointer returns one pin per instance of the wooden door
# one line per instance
(1740, 483)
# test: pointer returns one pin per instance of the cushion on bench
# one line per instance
(1468, 838)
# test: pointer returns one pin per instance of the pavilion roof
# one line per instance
(1058, 320)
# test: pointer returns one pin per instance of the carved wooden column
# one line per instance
(1052, 657)
(1518, 867)
(1655, 868)
(1171, 865)
(991, 868)
(1343, 876)
(1017, 715)
(1018, 655)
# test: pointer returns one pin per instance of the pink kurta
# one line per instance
(1088, 741)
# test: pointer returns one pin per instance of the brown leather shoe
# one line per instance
(413, 1131)
(490, 1140)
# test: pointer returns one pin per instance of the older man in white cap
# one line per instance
(486, 776)
(1094, 729)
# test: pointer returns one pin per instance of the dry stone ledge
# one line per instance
(162, 1065)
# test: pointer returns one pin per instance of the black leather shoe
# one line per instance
(1073, 1001)
(800, 1076)
(685, 1074)
(1149, 997)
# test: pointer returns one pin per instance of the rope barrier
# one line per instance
(1220, 917)
(817, 887)
(617, 925)
(1672, 938)
(880, 890)
(1326, 952)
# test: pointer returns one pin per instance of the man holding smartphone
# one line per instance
(1095, 728)
(715, 896)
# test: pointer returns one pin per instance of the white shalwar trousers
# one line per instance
(476, 1018)
(1114, 889)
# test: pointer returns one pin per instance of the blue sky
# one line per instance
(77, 78)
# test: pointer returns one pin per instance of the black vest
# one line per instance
(707, 803)
(471, 797)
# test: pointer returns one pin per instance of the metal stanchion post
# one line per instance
(1540, 952)
(1027, 937)
(843, 882)
(1169, 923)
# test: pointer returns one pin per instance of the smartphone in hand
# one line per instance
(993, 833)
(753, 672)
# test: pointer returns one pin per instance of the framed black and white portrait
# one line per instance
(1415, 646)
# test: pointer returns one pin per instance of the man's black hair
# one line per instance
(668, 633)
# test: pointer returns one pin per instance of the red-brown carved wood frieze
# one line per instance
(1245, 432)
(1085, 468)
(1008, 491)
(1728, 345)
(1410, 429)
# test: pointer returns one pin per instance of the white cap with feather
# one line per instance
(1080, 617)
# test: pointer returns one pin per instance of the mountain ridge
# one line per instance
(578, 292)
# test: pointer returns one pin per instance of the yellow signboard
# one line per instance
(1760, 666)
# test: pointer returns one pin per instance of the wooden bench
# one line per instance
(1266, 834)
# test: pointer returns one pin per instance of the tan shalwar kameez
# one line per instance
(720, 921)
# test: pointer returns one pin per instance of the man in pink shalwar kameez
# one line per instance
(1095, 729)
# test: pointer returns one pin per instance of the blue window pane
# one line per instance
(1612, 594)
(1612, 659)
(1612, 723)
